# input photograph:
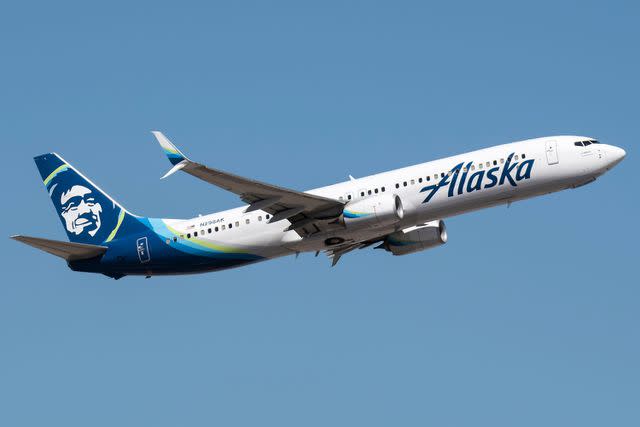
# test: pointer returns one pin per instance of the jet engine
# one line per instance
(376, 211)
(416, 239)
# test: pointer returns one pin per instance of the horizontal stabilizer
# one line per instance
(66, 250)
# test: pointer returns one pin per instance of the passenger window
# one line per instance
(168, 241)
(247, 221)
(404, 183)
(182, 236)
(237, 223)
(383, 189)
(397, 185)
(349, 197)
(501, 160)
(488, 164)
(195, 234)
(375, 191)
(515, 157)
(230, 226)
(464, 169)
(362, 194)
(420, 180)
(188, 235)
(341, 198)
(209, 230)
(259, 217)
(413, 182)
(473, 167)
(441, 174)
(523, 157)
(216, 229)
(267, 216)
(224, 227)
(429, 178)
(175, 239)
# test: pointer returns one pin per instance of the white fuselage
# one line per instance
(544, 165)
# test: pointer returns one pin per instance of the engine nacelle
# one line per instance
(376, 211)
(416, 239)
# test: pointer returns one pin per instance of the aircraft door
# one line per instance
(552, 152)
(142, 246)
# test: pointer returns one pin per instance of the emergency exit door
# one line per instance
(552, 152)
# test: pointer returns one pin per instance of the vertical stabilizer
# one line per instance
(87, 213)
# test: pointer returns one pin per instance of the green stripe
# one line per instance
(203, 243)
(54, 173)
(115, 230)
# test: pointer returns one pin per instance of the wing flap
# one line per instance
(66, 250)
(336, 252)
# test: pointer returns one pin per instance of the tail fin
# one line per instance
(87, 213)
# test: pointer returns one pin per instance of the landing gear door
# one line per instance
(552, 151)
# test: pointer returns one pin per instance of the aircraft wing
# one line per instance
(307, 213)
(66, 250)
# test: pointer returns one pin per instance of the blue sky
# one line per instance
(528, 316)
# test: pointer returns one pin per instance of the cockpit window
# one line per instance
(585, 143)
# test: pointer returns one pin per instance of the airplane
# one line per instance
(400, 211)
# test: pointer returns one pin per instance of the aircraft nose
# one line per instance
(615, 155)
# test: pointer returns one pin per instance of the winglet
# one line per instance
(175, 169)
(174, 155)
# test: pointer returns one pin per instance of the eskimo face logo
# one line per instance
(80, 211)
(512, 173)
